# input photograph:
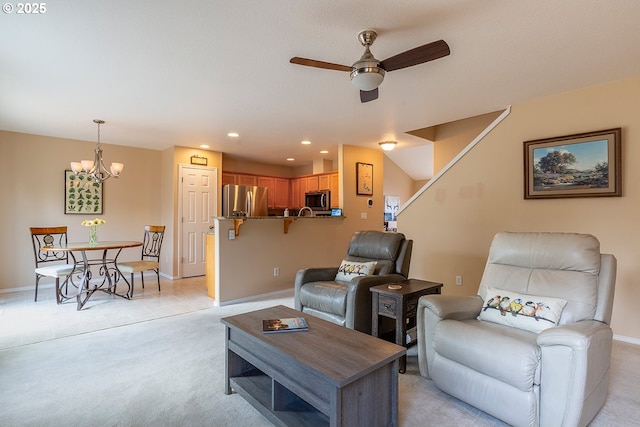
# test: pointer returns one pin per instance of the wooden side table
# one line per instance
(400, 304)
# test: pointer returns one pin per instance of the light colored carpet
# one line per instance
(170, 372)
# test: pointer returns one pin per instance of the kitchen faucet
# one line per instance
(306, 208)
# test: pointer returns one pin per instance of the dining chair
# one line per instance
(52, 264)
(150, 259)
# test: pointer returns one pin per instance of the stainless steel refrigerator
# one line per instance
(244, 200)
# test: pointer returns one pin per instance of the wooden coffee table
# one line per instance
(327, 376)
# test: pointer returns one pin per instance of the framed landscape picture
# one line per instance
(82, 194)
(580, 165)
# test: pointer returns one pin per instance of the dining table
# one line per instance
(106, 266)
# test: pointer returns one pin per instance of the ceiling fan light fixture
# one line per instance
(387, 145)
(367, 78)
(367, 73)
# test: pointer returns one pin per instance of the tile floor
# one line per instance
(23, 321)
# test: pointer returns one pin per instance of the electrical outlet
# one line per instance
(459, 280)
(276, 271)
(232, 234)
(363, 215)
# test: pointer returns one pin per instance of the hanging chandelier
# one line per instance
(96, 168)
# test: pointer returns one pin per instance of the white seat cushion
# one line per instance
(130, 267)
(58, 270)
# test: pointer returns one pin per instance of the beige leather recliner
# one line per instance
(556, 377)
(348, 303)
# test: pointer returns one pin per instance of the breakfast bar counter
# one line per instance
(257, 256)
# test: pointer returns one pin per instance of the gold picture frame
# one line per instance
(364, 179)
(580, 165)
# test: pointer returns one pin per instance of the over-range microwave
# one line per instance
(318, 201)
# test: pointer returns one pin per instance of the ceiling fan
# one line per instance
(367, 73)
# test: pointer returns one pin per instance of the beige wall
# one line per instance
(397, 182)
(448, 139)
(453, 221)
(354, 205)
(232, 163)
(451, 138)
(32, 185)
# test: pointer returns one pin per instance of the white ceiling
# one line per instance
(164, 73)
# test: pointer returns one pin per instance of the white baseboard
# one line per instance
(32, 287)
(276, 294)
(629, 340)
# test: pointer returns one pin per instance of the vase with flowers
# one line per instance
(93, 225)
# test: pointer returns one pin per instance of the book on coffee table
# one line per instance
(290, 324)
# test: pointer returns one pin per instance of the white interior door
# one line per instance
(198, 187)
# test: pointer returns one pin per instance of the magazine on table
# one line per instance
(290, 324)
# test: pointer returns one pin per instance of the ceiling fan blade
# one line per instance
(415, 56)
(319, 64)
(368, 95)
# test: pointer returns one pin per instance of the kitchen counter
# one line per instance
(267, 253)
(280, 217)
(287, 220)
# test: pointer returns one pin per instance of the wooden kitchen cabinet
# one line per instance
(313, 183)
(334, 186)
(288, 192)
(324, 182)
(234, 178)
(210, 264)
(246, 179)
(278, 193)
(267, 181)
(229, 178)
(281, 198)
(295, 193)
(302, 190)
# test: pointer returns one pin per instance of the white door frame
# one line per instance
(181, 169)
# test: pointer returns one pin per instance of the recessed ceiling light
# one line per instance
(290, 159)
(324, 152)
(305, 142)
(204, 146)
(233, 134)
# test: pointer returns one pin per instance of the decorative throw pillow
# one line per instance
(350, 269)
(529, 312)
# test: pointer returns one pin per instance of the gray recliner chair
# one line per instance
(345, 301)
(533, 348)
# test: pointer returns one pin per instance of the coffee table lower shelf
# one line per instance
(260, 391)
